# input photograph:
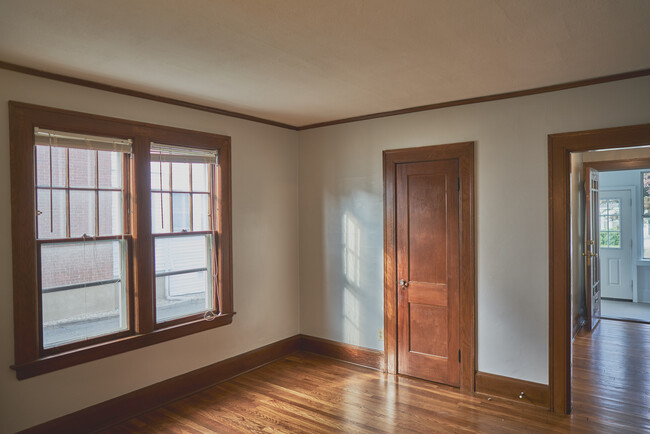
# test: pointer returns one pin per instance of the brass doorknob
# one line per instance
(403, 283)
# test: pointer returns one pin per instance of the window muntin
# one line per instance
(610, 223)
(81, 241)
(183, 230)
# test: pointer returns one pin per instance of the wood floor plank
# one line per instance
(306, 393)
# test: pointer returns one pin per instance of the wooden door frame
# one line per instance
(560, 147)
(464, 153)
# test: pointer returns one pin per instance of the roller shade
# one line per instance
(182, 154)
(45, 137)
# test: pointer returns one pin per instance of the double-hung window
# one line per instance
(182, 182)
(121, 235)
(81, 236)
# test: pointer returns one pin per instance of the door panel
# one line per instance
(428, 264)
(616, 232)
(592, 248)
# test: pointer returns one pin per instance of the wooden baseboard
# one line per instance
(511, 388)
(348, 353)
(124, 407)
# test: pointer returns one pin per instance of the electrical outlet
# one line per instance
(380, 334)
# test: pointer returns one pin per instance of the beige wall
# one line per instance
(265, 249)
(341, 190)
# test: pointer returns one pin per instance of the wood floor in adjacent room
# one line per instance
(309, 393)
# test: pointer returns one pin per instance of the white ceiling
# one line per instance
(307, 61)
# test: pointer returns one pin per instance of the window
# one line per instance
(182, 225)
(121, 235)
(80, 235)
(645, 185)
(610, 223)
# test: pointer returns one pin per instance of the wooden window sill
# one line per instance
(122, 345)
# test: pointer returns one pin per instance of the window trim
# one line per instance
(29, 359)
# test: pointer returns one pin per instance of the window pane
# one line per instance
(110, 213)
(51, 219)
(614, 223)
(603, 206)
(646, 237)
(59, 167)
(615, 239)
(110, 169)
(181, 211)
(82, 168)
(43, 166)
(201, 211)
(160, 218)
(83, 291)
(82, 213)
(614, 207)
(183, 276)
(603, 239)
(200, 177)
(181, 176)
(159, 175)
(603, 223)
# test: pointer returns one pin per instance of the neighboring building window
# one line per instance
(610, 223)
(645, 181)
(119, 241)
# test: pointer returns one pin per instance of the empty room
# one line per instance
(325, 216)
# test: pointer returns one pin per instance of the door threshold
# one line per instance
(639, 321)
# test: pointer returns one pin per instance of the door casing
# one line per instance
(560, 147)
(464, 153)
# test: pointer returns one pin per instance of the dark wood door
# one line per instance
(592, 248)
(428, 270)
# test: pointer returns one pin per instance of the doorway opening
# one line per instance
(562, 260)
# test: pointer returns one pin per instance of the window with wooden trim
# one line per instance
(121, 235)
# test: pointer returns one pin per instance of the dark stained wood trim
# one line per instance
(138, 94)
(475, 100)
(124, 407)
(86, 354)
(560, 147)
(512, 388)
(464, 153)
(626, 164)
(348, 353)
(173, 101)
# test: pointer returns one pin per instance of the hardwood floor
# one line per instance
(611, 377)
(309, 393)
